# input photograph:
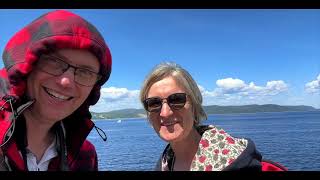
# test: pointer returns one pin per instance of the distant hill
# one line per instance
(255, 108)
(214, 109)
(123, 113)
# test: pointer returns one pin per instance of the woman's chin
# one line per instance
(169, 137)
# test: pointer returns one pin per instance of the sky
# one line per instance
(236, 56)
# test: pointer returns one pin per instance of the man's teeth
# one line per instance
(57, 95)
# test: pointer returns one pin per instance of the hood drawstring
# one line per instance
(62, 147)
(11, 101)
(9, 133)
(104, 137)
(15, 114)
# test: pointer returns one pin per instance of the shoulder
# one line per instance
(86, 159)
(87, 152)
(217, 149)
(87, 147)
(4, 123)
(268, 165)
(216, 135)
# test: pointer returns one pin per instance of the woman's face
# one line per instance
(171, 124)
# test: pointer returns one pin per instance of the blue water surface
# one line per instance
(290, 138)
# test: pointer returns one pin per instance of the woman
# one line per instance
(54, 68)
(173, 103)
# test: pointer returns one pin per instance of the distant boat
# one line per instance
(119, 121)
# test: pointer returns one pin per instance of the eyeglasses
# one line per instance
(56, 66)
(175, 101)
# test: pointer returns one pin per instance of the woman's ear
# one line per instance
(195, 121)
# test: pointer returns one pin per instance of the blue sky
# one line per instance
(236, 56)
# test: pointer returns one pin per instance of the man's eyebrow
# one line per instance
(86, 67)
(63, 58)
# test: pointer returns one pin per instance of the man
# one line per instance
(54, 69)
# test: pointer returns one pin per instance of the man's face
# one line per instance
(58, 96)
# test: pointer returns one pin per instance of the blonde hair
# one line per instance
(184, 79)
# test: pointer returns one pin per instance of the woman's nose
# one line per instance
(165, 110)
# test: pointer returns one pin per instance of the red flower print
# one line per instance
(204, 143)
(230, 140)
(208, 168)
(225, 151)
(222, 132)
(230, 160)
(214, 131)
(216, 151)
(202, 159)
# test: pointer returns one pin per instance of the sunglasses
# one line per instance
(175, 101)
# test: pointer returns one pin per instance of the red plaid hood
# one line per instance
(54, 30)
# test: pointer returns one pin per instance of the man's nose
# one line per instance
(67, 78)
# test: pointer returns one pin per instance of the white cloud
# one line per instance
(231, 91)
(114, 93)
(274, 88)
(113, 98)
(202, 89)
(230, 84)
(204, 92)
(313, 86)
(237, 86)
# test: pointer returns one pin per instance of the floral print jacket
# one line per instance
(217, 151)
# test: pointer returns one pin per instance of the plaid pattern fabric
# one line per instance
(54, 30)
(86, 160)
(3, 82)
(81, 154)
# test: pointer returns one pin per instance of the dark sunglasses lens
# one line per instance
(153, 104)
(177, 101)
